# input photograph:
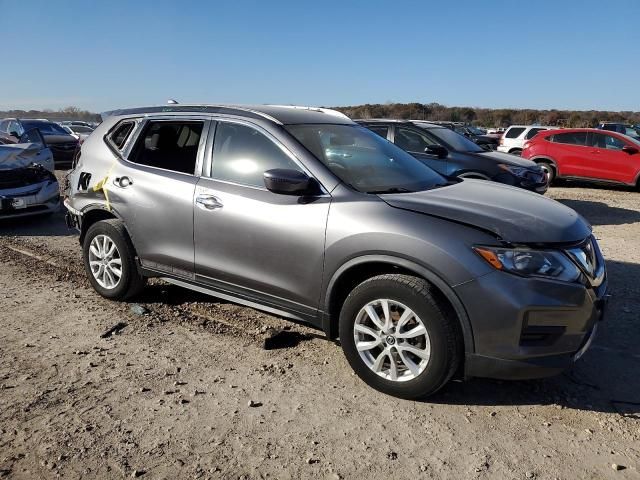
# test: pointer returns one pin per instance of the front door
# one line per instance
(608, 161)
(415, 142)
(153, 192)
(252, 242)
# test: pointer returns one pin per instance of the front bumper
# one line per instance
(530, 327)
(531, 183)
(30, 200)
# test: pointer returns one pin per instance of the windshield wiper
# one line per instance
(392, 190)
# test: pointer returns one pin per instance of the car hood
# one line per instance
(54, 139)
(21, 155)
(507, 158)
(512, 214)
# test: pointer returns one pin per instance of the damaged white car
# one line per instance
(28, 185)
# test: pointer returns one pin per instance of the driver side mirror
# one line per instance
(630, 150)
(290, 182)
(437, 150)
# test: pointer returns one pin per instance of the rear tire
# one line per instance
(109, 260)
(409, 360)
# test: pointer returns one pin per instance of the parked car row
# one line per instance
(61, 143)
(301, 212)
(453, 155)
(28, 185)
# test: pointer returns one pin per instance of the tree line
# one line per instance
(488, 117)
(68, 113)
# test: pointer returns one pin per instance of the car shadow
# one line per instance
(604, 379)
(599, 213)
(47, 225)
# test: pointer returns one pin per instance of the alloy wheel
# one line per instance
(392, 340)
(105, 262)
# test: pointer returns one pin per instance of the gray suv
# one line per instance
(302, 213)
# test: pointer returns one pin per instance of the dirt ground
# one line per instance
(186, 389)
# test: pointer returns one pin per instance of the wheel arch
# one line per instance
(357, 270)
(546, 159)
(96, 213)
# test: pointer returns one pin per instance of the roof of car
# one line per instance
(281, 114)
(424, 123)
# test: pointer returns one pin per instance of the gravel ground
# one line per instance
(186, 390)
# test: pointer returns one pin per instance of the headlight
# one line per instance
(531, 263)
(517, 171)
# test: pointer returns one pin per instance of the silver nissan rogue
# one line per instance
(302, 213)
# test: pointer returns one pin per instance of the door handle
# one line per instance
(122, 182)
(208, 202)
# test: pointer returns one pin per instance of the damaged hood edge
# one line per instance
(512, 214)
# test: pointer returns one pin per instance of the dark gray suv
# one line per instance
(303, 213)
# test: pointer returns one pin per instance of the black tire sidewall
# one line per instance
(437, 372)
(126, 255)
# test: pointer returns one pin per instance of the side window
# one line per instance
(571, 138)
(411, 140)
(533, 132)
(381, 130)
(15, 127)
(120, 134)
(241, 155)
(3, 126)
(514, 132)
(169, 145)
(601, 140)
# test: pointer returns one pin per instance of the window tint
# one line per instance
(411, 140)
(169, 145)
(571, 138)
(241, 155)
(15, 127)
(120, 134)
(601, 140)
(379, 129)
(3, 126)
(533, 132)
(609, 126)
(514, 132)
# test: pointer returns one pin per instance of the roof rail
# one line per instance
(328, 111)
(186, 108)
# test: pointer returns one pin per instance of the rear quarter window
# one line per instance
(514, 132)
(121, 133)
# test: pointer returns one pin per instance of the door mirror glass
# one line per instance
(438, 150)
(289, 182)
(630, 150)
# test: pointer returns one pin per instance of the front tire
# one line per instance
(548, 169)
(109, 260)
(398, 337)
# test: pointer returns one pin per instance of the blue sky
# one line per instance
(101, 55)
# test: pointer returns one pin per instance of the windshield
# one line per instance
(46, 128)
(364, 160)
(454, 140)
(80, 129)
(476, 131)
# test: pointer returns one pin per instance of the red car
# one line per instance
(586, 154)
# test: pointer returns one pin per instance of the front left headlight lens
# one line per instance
(517, 171)
(531, 263)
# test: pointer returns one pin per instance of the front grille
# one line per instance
(22, 177)
(63, 147)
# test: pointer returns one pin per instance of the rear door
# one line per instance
(415, 141)
(571, 153)
(153, 190)
(608, 161)
(250, 242)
